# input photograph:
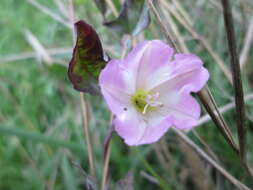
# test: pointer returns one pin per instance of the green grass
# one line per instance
(40, 115)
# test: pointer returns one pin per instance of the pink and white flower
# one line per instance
(149, 91)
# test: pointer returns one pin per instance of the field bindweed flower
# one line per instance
(149, 91)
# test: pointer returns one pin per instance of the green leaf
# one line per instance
(57, 71)
(68, 174)
(40, 138)
(87, 59)
(134, 16)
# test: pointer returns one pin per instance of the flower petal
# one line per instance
(130, 127)
(154, 132)
(148, 63)
(188, 74)
(137, 129)
(114, 88)
(184, 112)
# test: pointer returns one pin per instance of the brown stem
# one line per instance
(87, 134)
(236, 74)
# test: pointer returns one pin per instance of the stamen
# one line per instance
(145, 109)
(146, 102)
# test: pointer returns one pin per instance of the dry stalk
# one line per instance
(247, 44)
(87, 134)
(112, 7)
(223, 109)
(183, 12)
(236, 73)
(197, 169)
(175, 30)
(106, 155)
(149, 177)
(62, 8)
(38, 47)
(205, 156)
(49, 13)
(208, 101)
(163, 28)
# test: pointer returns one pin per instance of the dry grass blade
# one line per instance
(112, 7)
(62, 8)
(209, 103)
(106, 155)
(236, 73)
(87, 134)
(164, 29)
(106, 168)
(183, 12)
(207, 148)
(149, 177)
(247, 44)
(204, 95)
(37, 46)
(198, 171)
(30, 55)
(175, 30)
(49, 13)
(223, 109)
(201, 153)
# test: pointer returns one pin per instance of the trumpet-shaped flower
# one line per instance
(149, 91)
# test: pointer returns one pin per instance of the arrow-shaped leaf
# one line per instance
(87, 59)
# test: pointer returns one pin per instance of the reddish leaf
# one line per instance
(87, 59)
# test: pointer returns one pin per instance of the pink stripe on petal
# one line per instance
(149, 60)
(190, 80)
(154, 63)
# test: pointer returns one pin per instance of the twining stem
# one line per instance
(107, 153)
(236, 74)
(106, 168)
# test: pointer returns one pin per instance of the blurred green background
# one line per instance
(42, 143)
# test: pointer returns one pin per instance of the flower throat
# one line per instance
(145, 102)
